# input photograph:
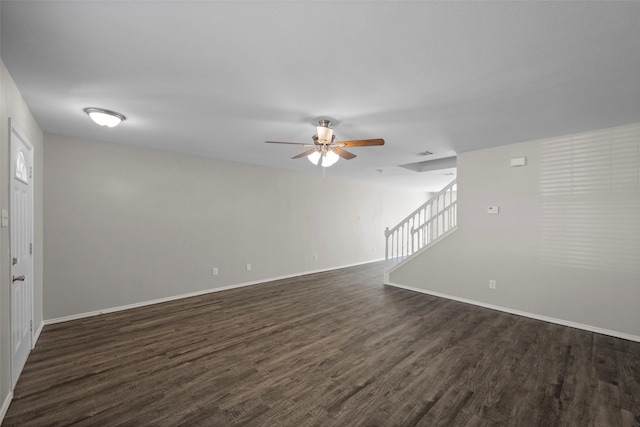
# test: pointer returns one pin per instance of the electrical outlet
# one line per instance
(374, 249)
(315, 257)
(214, 271)
(248, 267)
(492, 284)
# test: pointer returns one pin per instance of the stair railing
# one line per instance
(435, 217)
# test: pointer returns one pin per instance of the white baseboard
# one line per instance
(37, 334)
(192, 294)
(5, 406)
(524, 313)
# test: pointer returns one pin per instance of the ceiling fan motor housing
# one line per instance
(325, 133)
(318, 141)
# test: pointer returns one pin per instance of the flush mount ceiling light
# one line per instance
(104, 118)
(326, 150)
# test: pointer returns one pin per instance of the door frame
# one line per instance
(14, 132)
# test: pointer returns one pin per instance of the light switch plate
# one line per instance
(518, 161)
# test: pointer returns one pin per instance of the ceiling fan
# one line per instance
(326, 150)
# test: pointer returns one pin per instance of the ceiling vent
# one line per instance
(423, 153)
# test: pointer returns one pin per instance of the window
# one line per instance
(21, 168)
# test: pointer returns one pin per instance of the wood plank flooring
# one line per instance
(327, 349)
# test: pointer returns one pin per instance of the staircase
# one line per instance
(435, 218)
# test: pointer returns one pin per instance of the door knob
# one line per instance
(18, 279)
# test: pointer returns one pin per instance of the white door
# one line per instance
(21, 223)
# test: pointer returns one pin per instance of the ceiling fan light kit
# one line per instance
(326, 158)
(314, 157)
(326, 150)
(329, 158)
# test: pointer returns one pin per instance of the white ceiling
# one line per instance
(217, 79)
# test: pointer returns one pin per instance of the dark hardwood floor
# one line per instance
(327, 349)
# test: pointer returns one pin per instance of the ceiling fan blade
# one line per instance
(306, 153)
(343, 153)
(360, 143)
(291, 143)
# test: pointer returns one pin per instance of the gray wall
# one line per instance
(124, 226)
(12, 105)
(566, 243)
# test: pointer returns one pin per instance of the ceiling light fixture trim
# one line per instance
(105, 118)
